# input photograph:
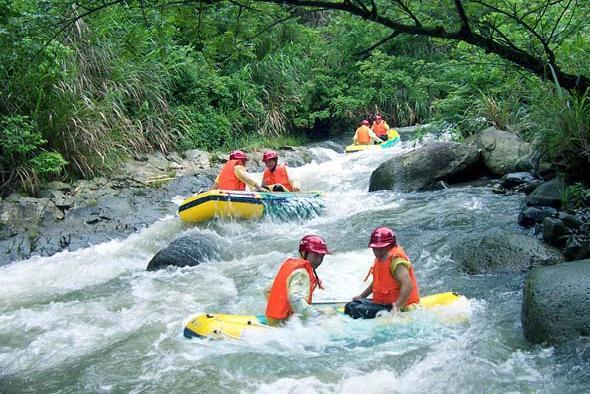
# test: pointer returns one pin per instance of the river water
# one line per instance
(95, 321)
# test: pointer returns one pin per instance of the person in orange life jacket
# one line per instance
(380, 127)
(364, 135)
(394, 283)
(233, 175)
(275, 176)
(292, 288)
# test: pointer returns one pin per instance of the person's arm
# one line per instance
(216, 183)
(355, 138)
(298, 291)
(243, 176)
(401, 275)
(294, 182)
(374, 138)
(367, 292)
(386, 126)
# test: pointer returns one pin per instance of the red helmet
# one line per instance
(269, 155)
(313, 243)
(238, 155)
(365, 122)
(378, 117)
(382, 237)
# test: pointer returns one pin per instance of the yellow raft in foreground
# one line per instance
(393, 139)
(248, 205)
(217, 326)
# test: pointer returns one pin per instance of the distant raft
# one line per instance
(250, 205)
(219, 326)
(393, 139)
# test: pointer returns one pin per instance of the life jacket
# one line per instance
(385, 288)
(278, 176)
(362, 135)
(278, 306)
(227, 179)
(380, 129)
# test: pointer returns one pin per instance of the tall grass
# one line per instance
(108, 106)
(564, 131)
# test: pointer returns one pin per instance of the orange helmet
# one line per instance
(313, 243)
(382, 237)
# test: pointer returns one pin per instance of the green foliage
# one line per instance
(576, 196)
(564, 130)
(131, 79)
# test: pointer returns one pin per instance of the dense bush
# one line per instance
(129, 79)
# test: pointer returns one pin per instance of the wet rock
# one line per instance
(556, 303)
(188, 185)
(499, 189)
(504, 152)
(510, 181)
(571, 221)
(532, 215)
(422, 168)
(576, 248)
(529, 187)
(185, 251)
(498, 251)
(548, 194)
(554, 232)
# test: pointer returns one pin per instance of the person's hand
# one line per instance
(358, 297)
(296, 189)
(394, 309)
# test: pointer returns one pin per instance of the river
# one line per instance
(95, 321)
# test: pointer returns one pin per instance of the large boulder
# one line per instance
(189, 250)
(548, 194)
(499, 251)
(556, 302)
(424, 167)
(504, 152)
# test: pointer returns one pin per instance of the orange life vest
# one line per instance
(227, 179)
(278, 306)
(379, 129)
(278, 176)
(362, 135)
(385, 288)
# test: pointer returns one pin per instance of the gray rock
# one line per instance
(576, 248)
(189, 250)
(532, 215)
(504, 152)
(422, 168)
(554, 231)
(498, 251)
(529, 187)
(556, 303)
(548, 194)
(510, 181)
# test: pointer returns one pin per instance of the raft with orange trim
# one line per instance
(250, 205)
(220, 326)
(393, 139)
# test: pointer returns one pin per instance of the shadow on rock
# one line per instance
(187, 250)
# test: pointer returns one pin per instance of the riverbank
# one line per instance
(89, 212)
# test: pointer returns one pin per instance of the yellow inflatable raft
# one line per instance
(393, 139)
(219, 326)
(248, 205)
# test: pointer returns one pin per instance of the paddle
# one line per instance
(334, 302)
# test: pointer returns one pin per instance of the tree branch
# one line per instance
(377, 44)
(465, 29)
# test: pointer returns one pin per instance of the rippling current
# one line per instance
(95, 321)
